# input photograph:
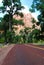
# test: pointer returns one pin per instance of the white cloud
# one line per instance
(35, 15)
(26, 9)
(0, 1)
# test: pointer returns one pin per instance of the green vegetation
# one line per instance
(7, 21)
(39, 6)
(27, 35)
(18, 22)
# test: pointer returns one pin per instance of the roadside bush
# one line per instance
(10, 36)
(2, 40)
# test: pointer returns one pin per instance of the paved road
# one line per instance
(25, 55)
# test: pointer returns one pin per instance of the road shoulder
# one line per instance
(4, 51)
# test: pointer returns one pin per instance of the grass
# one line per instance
(1, 45)
(39, 43)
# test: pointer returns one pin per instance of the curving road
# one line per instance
(25, 55)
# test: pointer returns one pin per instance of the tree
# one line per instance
(25, 34)
(39, 5)
(10, 7)
(5, 22)
(18, 22)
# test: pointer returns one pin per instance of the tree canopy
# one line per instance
(39, 6)
(10, 7)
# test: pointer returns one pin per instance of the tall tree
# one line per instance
(39, 5)
(11, 7)
(5, 25)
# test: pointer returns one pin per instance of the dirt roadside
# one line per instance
(4, 51)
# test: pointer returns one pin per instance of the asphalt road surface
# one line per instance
(25, 55)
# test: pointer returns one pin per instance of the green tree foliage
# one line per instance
(25, 34)
(39, 5)
(10, 7)
(33, 22)
(1, 26)
(18, 22)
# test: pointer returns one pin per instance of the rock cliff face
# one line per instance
(27, 18)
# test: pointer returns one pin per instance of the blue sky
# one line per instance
(27, 4)
(24, 2)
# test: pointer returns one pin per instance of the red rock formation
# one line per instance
(27, 18)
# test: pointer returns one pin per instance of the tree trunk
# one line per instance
(5, 37)
(10, 23)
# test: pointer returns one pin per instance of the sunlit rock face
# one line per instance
(27, 18)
